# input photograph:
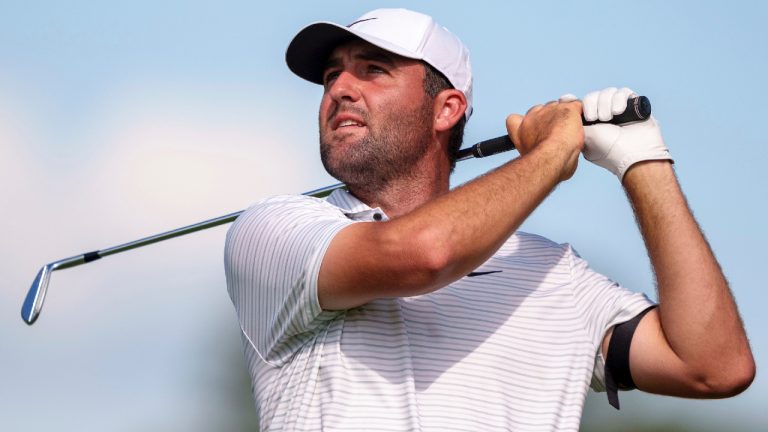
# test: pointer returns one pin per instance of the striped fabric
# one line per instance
(514, 349)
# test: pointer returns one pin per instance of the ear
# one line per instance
(449, 107)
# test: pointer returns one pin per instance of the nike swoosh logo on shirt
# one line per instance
(473, 274)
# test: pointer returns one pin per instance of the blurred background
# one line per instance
(126, 118)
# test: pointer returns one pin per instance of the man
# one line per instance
(401, 305)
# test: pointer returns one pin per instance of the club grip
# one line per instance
(638, 109)
(487, 147)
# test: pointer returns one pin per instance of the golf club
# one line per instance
(638, 109)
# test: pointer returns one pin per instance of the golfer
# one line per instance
(401, 305)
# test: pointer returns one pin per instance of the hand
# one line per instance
(617, 148)
(554, 127)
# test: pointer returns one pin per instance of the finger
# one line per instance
(590, 106)
(604, 102)
(619, 102)
(568, 97)
(534, 108)
(513, 126)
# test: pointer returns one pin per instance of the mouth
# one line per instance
(346, 121)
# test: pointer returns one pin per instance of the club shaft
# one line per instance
(87, 257)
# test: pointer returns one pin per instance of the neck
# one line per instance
(428, 180)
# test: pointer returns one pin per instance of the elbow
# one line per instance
(740, 378)
(730, 380)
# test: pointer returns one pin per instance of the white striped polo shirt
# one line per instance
(513, 347)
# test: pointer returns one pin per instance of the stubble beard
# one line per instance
(390, 149)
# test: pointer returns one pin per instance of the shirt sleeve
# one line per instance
(272, 259)
(603, 304)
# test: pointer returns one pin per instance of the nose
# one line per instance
(344, 88)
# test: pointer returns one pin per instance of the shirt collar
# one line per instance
(353, 208)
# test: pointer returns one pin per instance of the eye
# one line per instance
(376, 69)
(330, 76)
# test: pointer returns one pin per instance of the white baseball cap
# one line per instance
(400, 31)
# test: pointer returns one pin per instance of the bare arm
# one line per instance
(694, 344)
(447, 238)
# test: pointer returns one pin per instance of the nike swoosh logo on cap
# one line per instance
(359, 21)
(473, 274)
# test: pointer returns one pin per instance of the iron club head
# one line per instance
(33, 303)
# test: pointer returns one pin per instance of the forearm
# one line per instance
(698, 314)
(470, 223)
(467, 225)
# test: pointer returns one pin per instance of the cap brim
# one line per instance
(309, 50)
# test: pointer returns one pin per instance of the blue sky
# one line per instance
(123, 119)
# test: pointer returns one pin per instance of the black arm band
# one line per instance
(617, 371)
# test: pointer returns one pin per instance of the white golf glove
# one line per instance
(617, 148)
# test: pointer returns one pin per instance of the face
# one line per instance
(375, 118)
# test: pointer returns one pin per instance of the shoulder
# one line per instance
(535, 253)
(523, 244)
(284, 221)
